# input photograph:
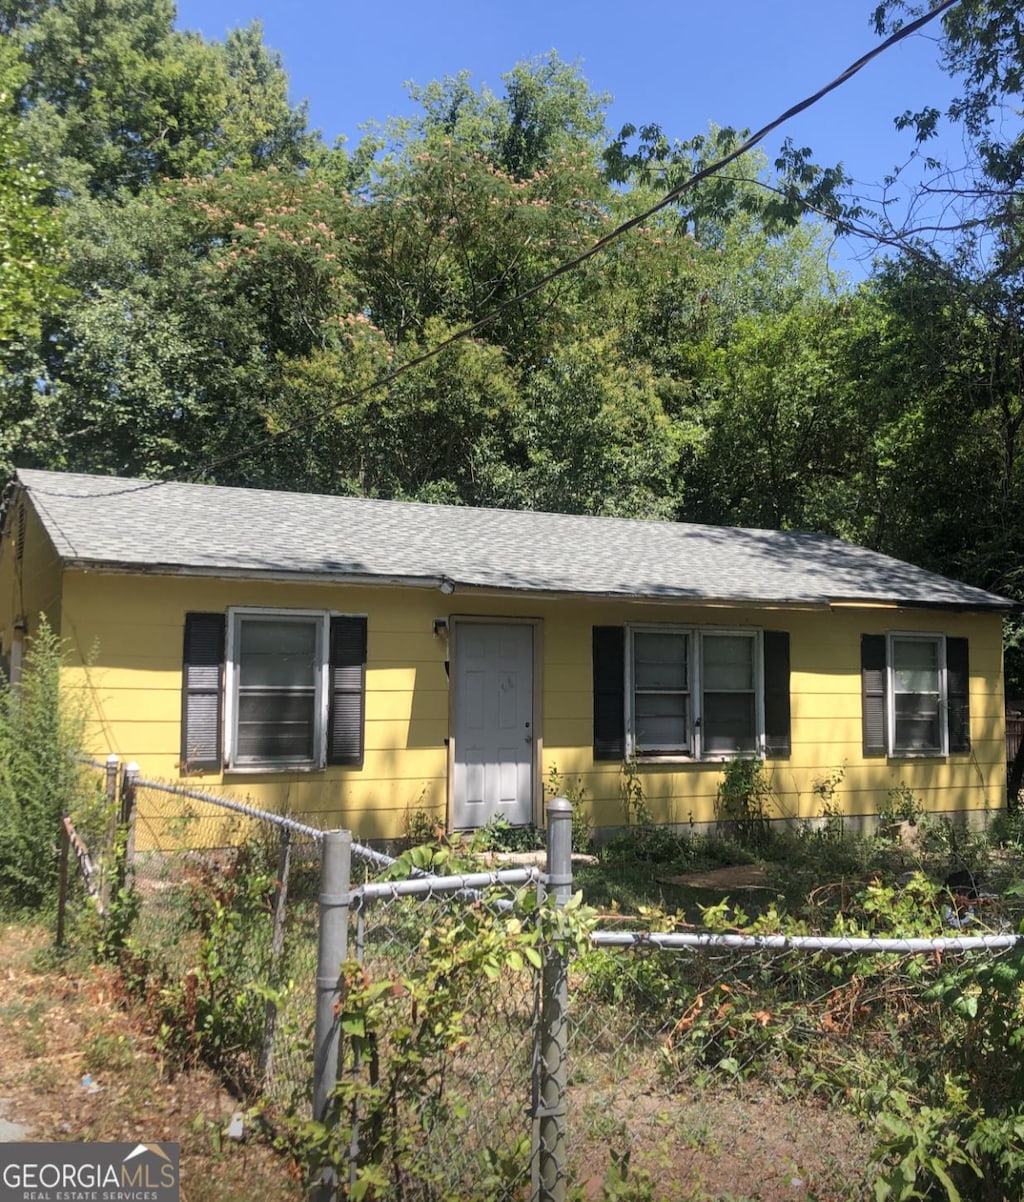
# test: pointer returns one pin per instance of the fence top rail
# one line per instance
(238, 807)
(379, 859)
(819, 943)
(466, 882)
(358, 849)
(87, 759)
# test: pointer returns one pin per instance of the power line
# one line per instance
(570, 265)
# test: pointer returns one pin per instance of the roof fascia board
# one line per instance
(1004, 607)
(448, 586)
(443, 584)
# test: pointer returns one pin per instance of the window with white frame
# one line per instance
(265, 690)
(277, 688)
(693, 692)
(662, 693)
(917, 694)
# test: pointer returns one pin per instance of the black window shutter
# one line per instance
(202, 692)
(873, 685)
(958, 687)
(348, 692)
(609, 645)
(777, 742)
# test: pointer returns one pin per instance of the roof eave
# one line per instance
(448, 585)
(445, 584)
(1001, 605)
(279, 575)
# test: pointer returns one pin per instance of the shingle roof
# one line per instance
(104, 521)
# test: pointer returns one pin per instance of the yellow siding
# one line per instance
(126, 634)
(29, 586)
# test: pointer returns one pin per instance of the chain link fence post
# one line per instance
(550, 1154)
(332, 951)
(111, 775)
(62, 886)
(111, 785)
(124, 851)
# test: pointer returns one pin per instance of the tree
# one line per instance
(982, 47)
(115, 98)
(31, 257)
(30, 249)
(233, 322)
(958, 281)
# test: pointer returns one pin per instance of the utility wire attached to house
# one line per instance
(569, 265)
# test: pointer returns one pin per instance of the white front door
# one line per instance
(493, 723)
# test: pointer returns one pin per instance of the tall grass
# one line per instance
(40, 733)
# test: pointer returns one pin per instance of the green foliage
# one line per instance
(900, 805)
(403, 1036)
(742, 802)
(41, 728)
(643, 839)
(833, 817)
(113, 933)
(422, 826)
(498, 834)
(928, 1154)
(201, 960)
(956, 1123)
(30, 249)
(656, 986)
(928, 1048)
(194, 283)
(981, 49)
(625, 1184)
(574, 792)
(1007, 829)
(441, 854)
(634, 801)
(115, 97)
(240, 277)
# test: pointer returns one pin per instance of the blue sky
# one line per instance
(737, 62)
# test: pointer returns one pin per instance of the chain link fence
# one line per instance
(450, 1035)
(441, 1066)
(433, 1082)
(212, 904)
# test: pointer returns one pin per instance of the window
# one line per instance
(694, 693)
(267, 689)
(915, 690)
(729, 680)
(917, 696)
(662, 709)
(689, 692)
(277, 668)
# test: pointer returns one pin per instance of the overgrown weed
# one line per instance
(41, 732)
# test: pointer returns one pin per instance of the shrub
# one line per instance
(575, 794)
(40, 780)
(498, 834)
(900, 805)
(742, 803)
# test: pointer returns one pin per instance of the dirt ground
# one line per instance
(728, 880)
(61, 1024)
(744, 1145)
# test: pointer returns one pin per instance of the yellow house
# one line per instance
(358, 661)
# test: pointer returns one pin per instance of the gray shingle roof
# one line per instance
(104, 521)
